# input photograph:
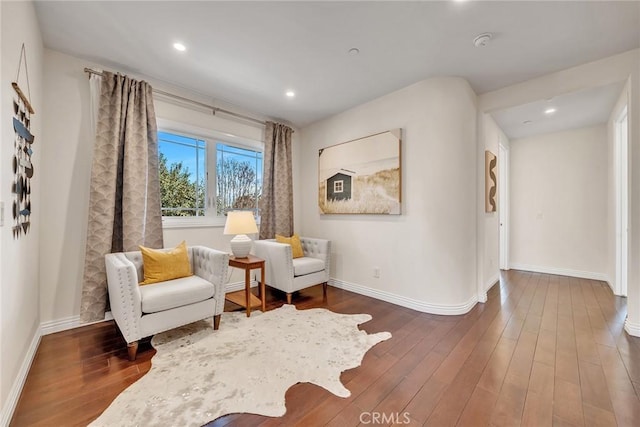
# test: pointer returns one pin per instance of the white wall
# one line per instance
(632, 324)
(617, 68)
(623, 102)
(19, 313)
(2, 167)
(558, 192)
(490, 137)
(427, 255)
(67, 171)
(66, 166)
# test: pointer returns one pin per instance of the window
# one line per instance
(238, 177)
(206, 177)
(182, 170)
(338, 186)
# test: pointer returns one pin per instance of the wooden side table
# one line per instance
(247, 299)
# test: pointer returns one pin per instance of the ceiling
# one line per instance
(248, 54)
(574, 110)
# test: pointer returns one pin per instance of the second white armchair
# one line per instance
(290, 275)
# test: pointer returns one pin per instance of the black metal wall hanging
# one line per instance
(22, 164)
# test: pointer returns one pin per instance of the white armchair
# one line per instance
(141, 311)
(290, 275)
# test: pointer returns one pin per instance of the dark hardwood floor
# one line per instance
(544, 350)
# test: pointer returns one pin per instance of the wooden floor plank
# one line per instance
(594, 386)
(495, 371)
(479, 409)
(543, 350)
(410, 385)
(455, 398)
(538, 407)
(567, 403)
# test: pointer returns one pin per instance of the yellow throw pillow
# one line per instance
(160, 265)
(294, 242)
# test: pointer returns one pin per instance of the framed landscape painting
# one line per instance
(362, 176)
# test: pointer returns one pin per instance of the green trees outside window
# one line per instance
(184, 181)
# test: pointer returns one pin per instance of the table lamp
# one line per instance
(240, 223)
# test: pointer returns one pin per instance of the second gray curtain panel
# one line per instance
(276, 202)
(124, 205)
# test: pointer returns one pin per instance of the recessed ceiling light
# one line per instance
(354, 51)
(180, 47)
(550, 110)
(290, 93)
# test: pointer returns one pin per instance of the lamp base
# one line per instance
(241, 245)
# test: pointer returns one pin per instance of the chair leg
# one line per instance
(288, 298)
(132, 349)
(216, 322)
(324, 289)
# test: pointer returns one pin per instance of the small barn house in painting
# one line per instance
(339, 187)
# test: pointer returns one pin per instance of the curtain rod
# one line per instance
(201, 104)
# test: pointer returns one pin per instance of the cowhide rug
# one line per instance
(199, 374)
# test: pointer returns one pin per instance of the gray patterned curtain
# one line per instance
(276, 203)
(124, 204)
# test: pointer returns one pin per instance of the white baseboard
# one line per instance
(561, 271)
(16, 389)
(632, 328)
(482, 296)
(491, 282)
(59, 325)
(71, 322)
(404, 301)
(51, 327)
(239, 286)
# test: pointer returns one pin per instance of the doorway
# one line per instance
(503, 205)
(622, 201)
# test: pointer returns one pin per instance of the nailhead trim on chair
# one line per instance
(311, 248)
(290, 265)
(204, 267)
(131, 332)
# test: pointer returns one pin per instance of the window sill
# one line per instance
(197, 222)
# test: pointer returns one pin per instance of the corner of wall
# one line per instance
(632, 328)
(11, 401)
(19, 263)
(438, 117)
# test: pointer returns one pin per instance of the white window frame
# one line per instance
(335, 186)
(211, 138)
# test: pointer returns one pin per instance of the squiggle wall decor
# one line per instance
(22, 165)
(490, 181)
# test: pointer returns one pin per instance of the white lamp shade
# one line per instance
(240, 222)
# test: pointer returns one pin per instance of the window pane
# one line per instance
(182, 175)
(239, 178)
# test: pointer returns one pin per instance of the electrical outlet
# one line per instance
(376, 272)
